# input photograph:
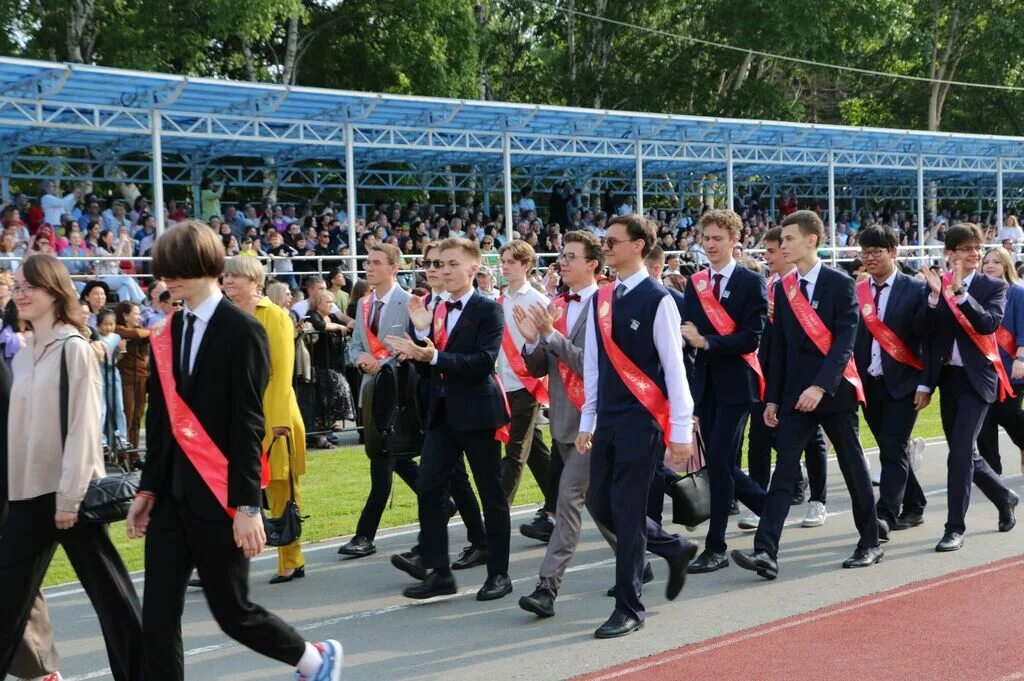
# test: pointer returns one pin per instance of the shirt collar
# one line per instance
(586, 292)
(889, 281)
(634, 280)
(386, 298)
(525, 288)
(968, 279)
(204, 311)
(726, 271)
(812, 276)
(443, 295)
(465, 299)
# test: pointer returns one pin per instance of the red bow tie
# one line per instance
(570, 297)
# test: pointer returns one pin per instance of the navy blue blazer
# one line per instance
(464, 373)
(796, 364)
(905, 312)
(745, 298)
(984, 309)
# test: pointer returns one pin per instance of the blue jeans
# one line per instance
(125, 287)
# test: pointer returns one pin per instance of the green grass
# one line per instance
(335, 486)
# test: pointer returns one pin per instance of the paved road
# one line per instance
(456, 638)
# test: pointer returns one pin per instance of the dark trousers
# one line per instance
(722, 426)
(1007, 414)
(525, 447)
(759, 456)
(177, 541)
(382, 470)
(963, 413)
(26, 549)
(442, 453)
(622, 464)
(795, 430)
(891, 420)
(554, 480)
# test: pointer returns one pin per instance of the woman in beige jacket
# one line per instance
(48, 477)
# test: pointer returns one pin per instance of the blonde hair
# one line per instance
(247, 266)
(276, 293)
(1009, 272)
(520, 251)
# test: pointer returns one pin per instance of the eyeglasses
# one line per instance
(568, 257)
(871, 253)
(433, 264)
(27, 289)
(977, 248)
(612, 242)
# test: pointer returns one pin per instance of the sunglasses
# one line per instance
(435, 264)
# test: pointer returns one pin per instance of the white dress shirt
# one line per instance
(875, 368)
(450, 320)
(811, 278)
(443, 295)
(525, 296)
(572, 315)
(670, 352)
(203, 312)
(726, 273)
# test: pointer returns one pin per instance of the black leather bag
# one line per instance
(394, 396)
(287, 527)
(108, 498)
(691, 494)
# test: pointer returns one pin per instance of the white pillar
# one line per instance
(999, 193)
(350, 198)
(832, 206)
(5, 186)
(729, 180)
(487, 194)
(920, 202)
(156, 170)
(639, 176)
(197, 179)
(506, 178)
(771, 202)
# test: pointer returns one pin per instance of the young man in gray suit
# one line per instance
(554, 348)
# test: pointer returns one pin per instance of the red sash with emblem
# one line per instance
(886, 337)
(816, 330)
(985, 343)
(722, 322)
(538, 387)
(377, 348)
(572, 381)
(643, 388)
(206, 457)
(1006, 341)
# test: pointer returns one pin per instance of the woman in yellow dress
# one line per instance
(243, 282)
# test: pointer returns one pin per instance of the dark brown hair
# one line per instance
(774, 235)
(656, 256)
(122, 310)
(591, 246)
(962, 233)
(46, 272)
(188, 250)
(638, 228)
(808, 222)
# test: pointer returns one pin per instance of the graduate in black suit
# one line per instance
(723, 317)
(889, 352)
(968, 381)
(808, 386)
(190, 517)
(456, 347)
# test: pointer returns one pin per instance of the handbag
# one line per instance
(107, 499)
(287, 527)
(691, 493)
(393, 395)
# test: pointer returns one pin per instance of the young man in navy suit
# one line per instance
(812, 381)
(723, 318)
(964, 310)
(889, 352)
(457, 347)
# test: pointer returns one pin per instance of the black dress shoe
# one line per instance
(1007, 519)
(708, 562)
(494, 588)
(540, 528)
(299, 573)
(677, 570)
(907, 520)
(357, 547)
(471, 557)
(951, 541)
(864, 557)
(759, 562)
(647, 578)
(883, 530)
(434, 585)
(618, 625)
(411, 563)
(734, 507)
(541, 602)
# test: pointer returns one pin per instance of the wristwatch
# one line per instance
(251, 511)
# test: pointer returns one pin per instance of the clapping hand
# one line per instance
(419, 315)
(405, 348)
(933, 281)
(544, 318)
(525, 325)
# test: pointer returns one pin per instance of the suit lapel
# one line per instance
(892, 305)
(461, 322)
(211, 332)
(176, 322)
(581, 320)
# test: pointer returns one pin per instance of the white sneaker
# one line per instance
(816, 515)
(917, 447)
(749, 521)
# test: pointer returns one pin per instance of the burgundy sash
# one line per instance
(985, 343)
(642, 387)
(722, 322)
(886, 337)
(206, 457)
(377, 348)
(817, 331)
(572, 381)
(538, 387)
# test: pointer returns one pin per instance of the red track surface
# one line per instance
(964, 626)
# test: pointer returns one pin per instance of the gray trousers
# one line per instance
(572, 494)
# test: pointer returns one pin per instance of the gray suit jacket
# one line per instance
(543, 361)
(393, 322)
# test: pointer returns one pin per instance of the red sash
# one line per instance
(377, 348)
(206, 457)
(817, 331)
(985, 343)
(771, 297)
(538, 387)
(722, 322)
(886, 337)
(503, 433)
(1006, 341)
(572, 381)
(642, 387)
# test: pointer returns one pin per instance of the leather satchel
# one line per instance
(107, 499)
(691, 493)
(393, 398)
(287, 527)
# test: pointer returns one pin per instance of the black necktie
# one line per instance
(717, 288)
(186, 361)
(878, 296)
(803, 289)
(456, 305)
(620, 290)
(435, 302)
(375, 316)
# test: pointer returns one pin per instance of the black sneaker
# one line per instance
(540, 528)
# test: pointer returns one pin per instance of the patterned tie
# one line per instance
(717, 287)
(375, 317)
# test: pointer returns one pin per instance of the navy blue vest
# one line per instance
(633, 332)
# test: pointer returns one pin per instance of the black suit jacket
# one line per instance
(230, 374)
(796, 364)
(745, 298)
(984, 308)
(905, 312)
(464, 373)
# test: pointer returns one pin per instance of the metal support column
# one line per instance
(350, 198)
(730, 186)
(999, 193)
(920, 201)
(639, 175)
(156, 170)
(506, 178)
(832, 207)
(486, 188)
(772, 198)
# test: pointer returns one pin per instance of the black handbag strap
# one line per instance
(291, 463)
